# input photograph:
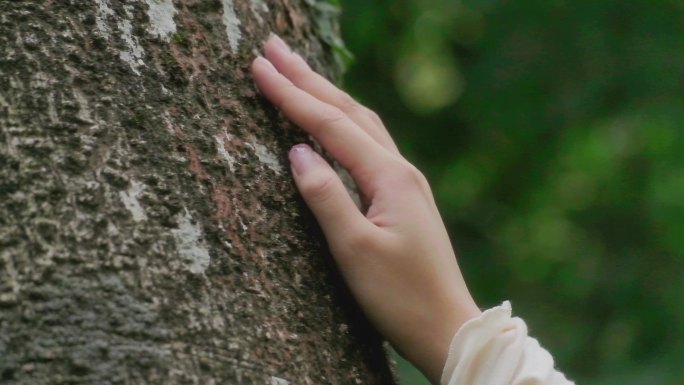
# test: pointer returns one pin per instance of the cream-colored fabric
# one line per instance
(494, 349)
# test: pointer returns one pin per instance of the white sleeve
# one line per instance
(494, 349)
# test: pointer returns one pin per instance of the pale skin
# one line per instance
(396, 257)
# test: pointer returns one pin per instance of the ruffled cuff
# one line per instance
(494, 349)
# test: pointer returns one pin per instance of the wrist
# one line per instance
(464, 310)
(430, 349)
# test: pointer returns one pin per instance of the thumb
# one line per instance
(325, 195)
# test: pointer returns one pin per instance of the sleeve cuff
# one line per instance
(494, 349)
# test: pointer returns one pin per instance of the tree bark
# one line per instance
(149, 228)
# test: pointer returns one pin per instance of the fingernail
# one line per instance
(303, 158)
(280, 43)
(265, 63)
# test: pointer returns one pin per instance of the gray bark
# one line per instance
(149, 228)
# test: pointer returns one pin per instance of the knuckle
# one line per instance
(347, 103)
(361, 242)
(374, 117)
(321, 189)
(350, 105)
(409, 175)
(329, 117)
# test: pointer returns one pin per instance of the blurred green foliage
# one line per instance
(553, 135)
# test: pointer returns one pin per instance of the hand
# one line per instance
(397, 258)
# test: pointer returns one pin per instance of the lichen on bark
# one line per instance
(149, 229)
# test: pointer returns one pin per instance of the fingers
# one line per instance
(326, 196)
(293, 67)
(347, 142)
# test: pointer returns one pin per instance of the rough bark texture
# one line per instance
(149, 228)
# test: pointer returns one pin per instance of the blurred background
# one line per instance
(553, 136)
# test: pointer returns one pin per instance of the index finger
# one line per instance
(293, 67)
(338, 134)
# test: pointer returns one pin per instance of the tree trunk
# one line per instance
(149, 228)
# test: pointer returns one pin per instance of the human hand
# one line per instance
(396, 258)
